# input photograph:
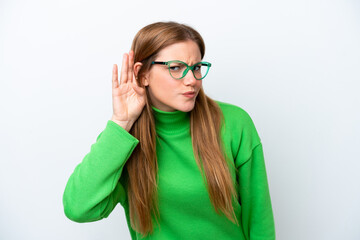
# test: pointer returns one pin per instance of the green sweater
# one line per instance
(93, 190)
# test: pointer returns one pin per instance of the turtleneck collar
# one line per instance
(171, 122)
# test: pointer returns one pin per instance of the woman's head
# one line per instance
(167, 41)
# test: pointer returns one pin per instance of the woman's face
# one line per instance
(167, 93)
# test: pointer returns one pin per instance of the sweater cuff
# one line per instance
(113, 127)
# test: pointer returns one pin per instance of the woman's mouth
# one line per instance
(189, 94)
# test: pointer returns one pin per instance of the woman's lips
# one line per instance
(189, 94)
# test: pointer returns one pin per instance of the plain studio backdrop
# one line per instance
(292, 65)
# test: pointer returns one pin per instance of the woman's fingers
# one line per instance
(115, 80)
(131, 66)
(127, 68)
(124, 69)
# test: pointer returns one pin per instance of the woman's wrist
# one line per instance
(124, 124)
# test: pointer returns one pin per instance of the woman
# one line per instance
(182, 165)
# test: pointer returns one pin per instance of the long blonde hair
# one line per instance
(205, 121)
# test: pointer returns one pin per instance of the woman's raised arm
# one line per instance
(94, 189)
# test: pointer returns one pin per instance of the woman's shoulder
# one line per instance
(233, 112)
(238, 122)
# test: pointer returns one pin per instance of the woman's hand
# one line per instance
(128, 98)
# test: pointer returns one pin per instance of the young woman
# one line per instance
(182, 165)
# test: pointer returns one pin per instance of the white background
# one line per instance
(292, 65)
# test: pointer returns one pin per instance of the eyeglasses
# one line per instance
(179, 69)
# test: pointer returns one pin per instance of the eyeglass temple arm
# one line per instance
(162, 63)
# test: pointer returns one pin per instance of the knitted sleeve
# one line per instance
(93, 189)
(257, 215)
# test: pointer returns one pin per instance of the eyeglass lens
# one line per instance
(177, 70)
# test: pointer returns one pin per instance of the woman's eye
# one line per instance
(197, 68)
(174, 68)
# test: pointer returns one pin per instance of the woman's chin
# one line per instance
(187, 107)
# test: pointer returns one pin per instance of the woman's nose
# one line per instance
(189, 78)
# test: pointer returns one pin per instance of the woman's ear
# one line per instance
(137, 67)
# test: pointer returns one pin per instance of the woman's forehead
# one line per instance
(184, 51)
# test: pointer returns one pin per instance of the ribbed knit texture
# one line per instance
(94, 189)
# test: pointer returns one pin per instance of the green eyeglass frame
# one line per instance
(207, 64)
